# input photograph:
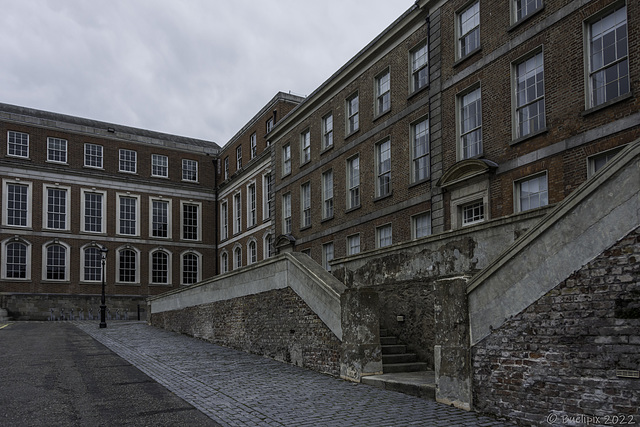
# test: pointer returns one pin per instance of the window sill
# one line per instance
(12, 156)
(607, 104)
(160, 285)
(525, 19)
(326, 219)
(127, 284)
(422, 181)
(529, 136)
(351, 133)
(467, 56)
(159, 176)
(355, 208)
(326, 149)
(384, 113)
(56, 282)
(377, 199)
(305, 228)
(95, 168)
(305, 163)
(418, 91)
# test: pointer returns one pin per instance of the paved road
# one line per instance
(239, 389)
(53, 374)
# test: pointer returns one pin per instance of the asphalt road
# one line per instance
(53, 374)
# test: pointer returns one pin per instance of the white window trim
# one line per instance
(226, 168)
(326, 263)
(325, 198)
(133, 196)
(224, 220)
(266, 200)
(359, 244)
(253, 145)
(458, 30)
(28, 259)
(514, 96)
(5, 198)
(266, 245)
(349, 183)
(66, 151)
(45, 205)
(159, 156)
(199, 205)
(378, 152)
(516, 190)
(459, 104)
(255, 242)
(224, 262)
(305, 136)
(251, 214)
(169, 217)
(82, 264)
(238, 157)
(412, 72)
(237, 247)
(169, 267)
(199, 266)
(348, 114)
(302, 204)
(326, 132)
(378, 94)
(286, 160)
(84, 160)
(414, 228)
(28, 144)
(513, 12)
(608, 153)
(378, 230)
(287, 196)
(103, 214)
(137, 273)
(237, 213)
(197, 171)
(67, 262)
(414, 157)
(135, 163)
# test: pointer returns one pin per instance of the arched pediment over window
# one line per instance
(465, 170)
(285, 243)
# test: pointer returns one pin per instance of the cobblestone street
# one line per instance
(238, 389)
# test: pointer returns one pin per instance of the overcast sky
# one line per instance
(197, 68)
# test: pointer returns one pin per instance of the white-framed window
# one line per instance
(353, 244)
(468, 29)
(327, 131)
(239, 157)
(190, 170)
(267, 245)
(286, 159)
(286, 213)
(191, 220)
(528, 84)
(520, 9)
(128, 160)
(16, 259)
(128, 208)
(253, 143)
(237, 213)
(237, 257)
(327, 255)
(224, 220)
(597, 161)
(252, 209)
(191, 267)
(353, 182)
(383, 168)
(383, 92)
(305, 205)
(226, 168)
(607, 56)
(421, 225)
(18, 144)
(56, 202)
(94, 211)
(419, 66)
(224, 262)
(16, 200)
(267, 195)
(56, 150)
(470, 123)
(353, 116)
(305, 147)
(472, 213)
(160, 212)
(91, 264)
(93, 157)
(421, 160)
(327, 194)
(56, 261)
(252, 252)
(531, 193)
(384, 236)
(270, 124)
(160, 263)
(159, 166)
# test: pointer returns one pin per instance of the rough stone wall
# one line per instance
(559, 357)
(277, 324)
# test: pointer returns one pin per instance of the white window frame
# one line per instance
(63, 150)
(83, 265)
(237, 212)
(189, 166)
(383, 92)
(419, 67)
(327, 255)
(169, 216)
(286, 213)
(286, 159)
(305, 147)
(198, 256)
(267, 245)
(45, 260)
(224, 262)
(461, 25)
(237, 256)
(270, 124)
(462, 111)
(327, 131)
(416, 229)
(417, 158)
(352, 113)
(238, 157)
(517, 192)
(473, 205)
(159, 166)
(380, 173)
(124, 164)
(198, 205)
(45, 207)
(607, 155)
(530, 7)
(252, 251)
(353, 188)
(520, 94)
(93, 156)
(305, 205)
(379, 235)
(137, 213)
(28, 245)
(224, 220)
(253, 144)
(252, 204)
(5, 202)
(267, 196)
(226, 168)
(169, 267)
(103, 211)
(350, 246)
(11, 135)
(327, 195)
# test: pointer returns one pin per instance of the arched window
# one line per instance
(224, 263)
(91, 264)
(237, 257)
(56, 257)
(252, 252)
(128, 265)
(16, 259)
(160, 267)
(190, 268)
(267, 245)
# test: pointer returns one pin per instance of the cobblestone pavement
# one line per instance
(240, 389)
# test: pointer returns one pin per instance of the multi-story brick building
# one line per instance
(71, 186)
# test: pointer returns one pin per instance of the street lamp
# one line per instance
(103, 306)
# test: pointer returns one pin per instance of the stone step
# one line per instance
(393, 349)
(404, 367)
(399, 358)
(388, 340)
(420, 384)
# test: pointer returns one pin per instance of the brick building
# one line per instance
(71, 185)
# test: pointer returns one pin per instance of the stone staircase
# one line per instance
(402, 371)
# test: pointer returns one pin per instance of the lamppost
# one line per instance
(103, 306)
